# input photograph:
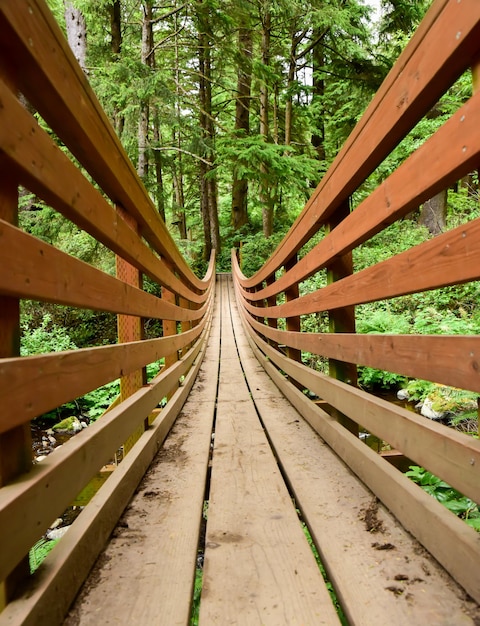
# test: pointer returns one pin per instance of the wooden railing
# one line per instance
(94, 185)
(446, 44)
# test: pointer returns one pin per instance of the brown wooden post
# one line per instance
(293, 323)
(476, 88)
(272, 301)
(342, 320)
(15, 444)
(130, 329)
(184, 326)
(169, 328)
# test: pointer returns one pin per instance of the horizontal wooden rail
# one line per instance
(424, 71)
(451, 153)
(25, 512)
(446, 44)
(112, 205)
(38, 58)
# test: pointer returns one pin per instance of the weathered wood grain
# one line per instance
(44, 273)
(379, 577)
(447, 359)
(25, 512)
(55, 585)
(259, 568)
(446, 452)
(47, 73)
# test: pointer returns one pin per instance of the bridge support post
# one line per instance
(342, 320)
(169, 327)
(15, 444)
(130, 328)
(271, 301)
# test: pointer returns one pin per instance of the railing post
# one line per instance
(15, 444)
(271, 301)
(169, 328)
(130, 328)
(342, 320)
(292, 323)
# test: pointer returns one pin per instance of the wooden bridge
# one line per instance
(236, 447)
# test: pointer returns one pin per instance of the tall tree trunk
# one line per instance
(265, 185)
(115, 27)
(318, 137)
(160, 191)
(242, 123)
(115, 11)
(208, 186)
(434, 213)
(179, 199)
(76, 33)
(147, 60)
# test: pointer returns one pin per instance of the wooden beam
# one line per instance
(440, 50)
(449, 539)
(37, 384)
(444, 451)
(44, 169)
(54, 83)
(31, 268)
(450, 360)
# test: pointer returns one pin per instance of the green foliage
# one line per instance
(256, 250)
(39, 551)
(452, 499)
(197, 592)
(43, 338)
(96, 402)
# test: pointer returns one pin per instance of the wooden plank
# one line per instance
(449, 259)
(446, 452)
(62, 573)
(441, 49)
(44, 169)
(454, 544)
(54, 83)
(25, 512)
(451, 360)
(16, 444)
(452, 152)
(146, 574)
(259, 568)
(37, 384)
(31, 268)
(375, 586)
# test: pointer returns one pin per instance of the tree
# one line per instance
(242, 118)
(76, 33)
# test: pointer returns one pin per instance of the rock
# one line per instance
(428, 411)
(70, 425)
(402, 394)
(57, 533)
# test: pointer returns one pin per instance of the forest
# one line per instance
(231, 112)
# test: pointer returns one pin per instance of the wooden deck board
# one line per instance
(259, 568)
(146, 574)
(376, 585)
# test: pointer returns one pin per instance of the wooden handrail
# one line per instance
(424, 72)
(115, 209)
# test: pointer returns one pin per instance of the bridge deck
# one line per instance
(266, 466)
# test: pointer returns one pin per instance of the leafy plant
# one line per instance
(46, 337)
(452, 499)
